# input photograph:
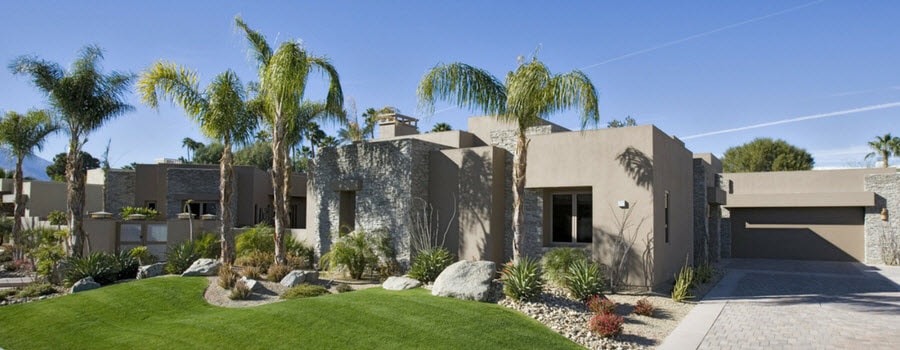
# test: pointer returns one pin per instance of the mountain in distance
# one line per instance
(33, 166)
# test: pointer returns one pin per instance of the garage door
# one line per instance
(798, 233)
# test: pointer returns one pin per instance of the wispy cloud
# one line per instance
(442, 110)
(703, 34)
(797, 119)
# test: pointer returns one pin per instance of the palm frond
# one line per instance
(463, 85)
(169, 81)
(284, 79)
(226, 115)
(335, 99)
(572, 90)
(45, 74)
(262, 52)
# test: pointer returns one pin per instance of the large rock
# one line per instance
(296, 277)
(84, 284)
(251, 284)
(151, 270)
(400, 283)
(203, 267)
(469, 280)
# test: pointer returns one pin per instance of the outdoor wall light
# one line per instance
(884, 214)
(622, 204)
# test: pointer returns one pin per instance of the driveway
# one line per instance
(790, 304)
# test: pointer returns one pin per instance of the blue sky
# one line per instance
(690, 67)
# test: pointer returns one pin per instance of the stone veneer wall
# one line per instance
(725, 224)
(887, 195)
(701, 228)
(119, 190)
(188, 183)
(386, 176)
(533, 201)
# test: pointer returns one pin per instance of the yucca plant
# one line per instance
(683, 283)
(584, 280)
(98, 265)
(125, 265)
(429, 263)
(522, 281)
(557, 263)
(180, 257)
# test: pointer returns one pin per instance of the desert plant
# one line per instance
(643, 307)
(889, 242)
(47, 255)
(297, 250)
(354, 252)
(683, 283)
(98, 265)
(522, 281)
(57, 217)
(180, 257)
(125, 266)
(704, 274)
(151, 214)
(557, 263)
(259, 238)
(429, 263)
(6, 293)
(607, 325)
(240, 291)
(277, 272)
(35, 290)
(227, 277)
(251, 272)
(143, 255)
(620, 249)
(304, 290)
(343, 288)
(207, 245)
(584, 280)
(600, 304)
(262, 260)
(426, 231)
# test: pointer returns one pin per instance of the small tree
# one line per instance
(884, 146)
(765, 154)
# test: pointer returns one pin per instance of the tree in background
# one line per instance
(57, 170)
(191, 146)
(765, 154)
(22, 134)
(441, 127)
(283, 74)
(615, 123)
(84, 98)
(222, 113)
(529, 94)
(884, 146)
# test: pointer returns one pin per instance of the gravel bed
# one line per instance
(570, 318)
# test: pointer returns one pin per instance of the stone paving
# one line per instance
(780, 304)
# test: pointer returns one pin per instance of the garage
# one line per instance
(803, 233)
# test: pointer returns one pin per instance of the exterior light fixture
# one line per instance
(622, 204)
(884, 214)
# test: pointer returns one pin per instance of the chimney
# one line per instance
(395, 124)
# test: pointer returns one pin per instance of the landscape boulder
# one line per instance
(296, 277)
(468, 280)
(152, 270)
(203, 267)
(84, 284)
(251, 284)
(400, 283)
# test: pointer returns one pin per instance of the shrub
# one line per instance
(607, 325)
(151, 214)
(125, 266)
(6, 293)
(100, 266)
(251, 272)
(297, 251)
(343, 288)
(207, 245)
(142, 255)
(683, 283)
(600, 304)
(304, 290)
(429, 263)
(522, 281)
(557, 263)
(297, 263)
(703, 274)
(180, 257)
(354, 252)
(35, 290)
(47, 256)
(584, 280)
(240, 291)
(58, 218)
(227, 277)
(259, 238)
(262, 260)
(277, 272)
(643, 307)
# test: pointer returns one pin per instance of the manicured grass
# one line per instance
(170, 313)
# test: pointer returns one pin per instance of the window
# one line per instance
(150, 204)
(571, 218)
(347, 216)
(202, 208)
(667, 216)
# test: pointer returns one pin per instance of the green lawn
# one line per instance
(170, 313)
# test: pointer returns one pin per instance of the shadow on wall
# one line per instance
(638, 166)
(617, 250)
(475, 183)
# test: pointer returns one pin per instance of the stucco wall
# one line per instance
(672, 172)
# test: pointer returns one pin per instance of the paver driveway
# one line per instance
(789, 304)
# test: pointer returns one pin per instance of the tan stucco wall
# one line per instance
(47, 196)
(816, 181)
(452, 138)
(482, 126)
(672, 172)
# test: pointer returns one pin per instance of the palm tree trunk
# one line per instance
(884, 156)
(75, 198)
(519, 163)
(278, 182)
(19, 210)
(226, 189)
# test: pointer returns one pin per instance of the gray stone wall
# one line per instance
(195, 184)
(533, 201)
(725, 234)
(386, 176)
(701, 224)
(879, 233)
(119, 186)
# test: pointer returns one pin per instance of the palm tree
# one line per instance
(529, 94)
(884, 146)
(222, 114)
(84, 98)
(191, 145)
(22, 134)
(283, 74)
(441, 127)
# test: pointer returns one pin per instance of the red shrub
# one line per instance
(607, 325)
(643, 307)
(601, 305)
